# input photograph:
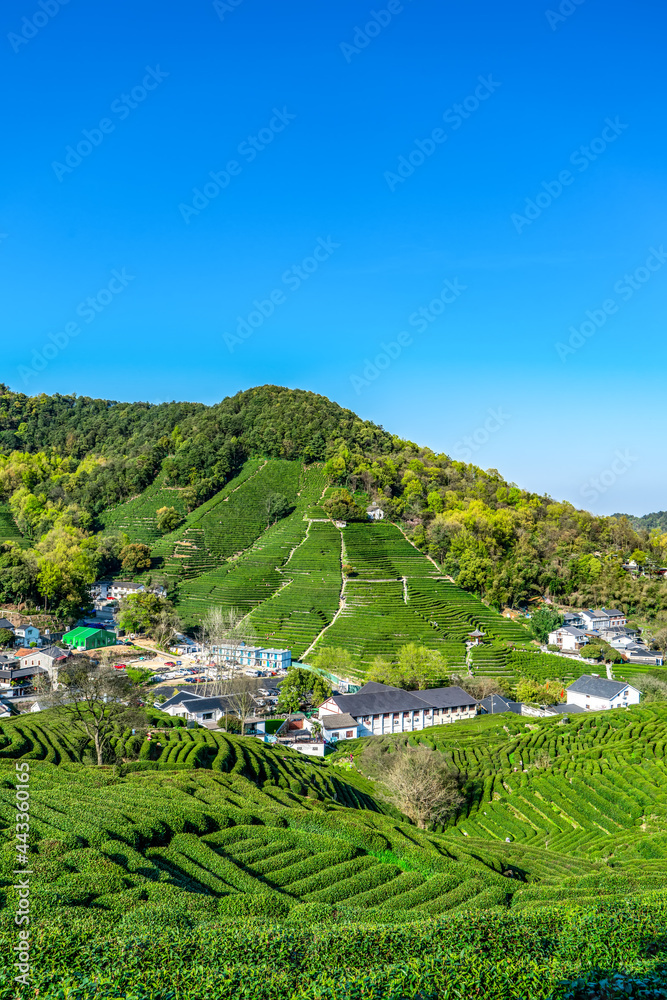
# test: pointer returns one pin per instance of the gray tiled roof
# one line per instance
(197, 705)
(342, 721)
(178, 699)
(375, 699)
(495, 703)
(597, 687)
(55, 652)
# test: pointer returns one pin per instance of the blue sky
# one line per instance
(447, 217)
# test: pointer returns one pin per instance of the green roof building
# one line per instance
(89, 638)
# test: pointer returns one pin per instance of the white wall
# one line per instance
(598, 704)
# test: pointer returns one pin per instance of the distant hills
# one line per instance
(647, 521)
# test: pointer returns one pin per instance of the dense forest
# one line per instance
(64, 460)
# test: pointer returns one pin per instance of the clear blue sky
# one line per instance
(306, 120)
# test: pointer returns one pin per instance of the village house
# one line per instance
(375, 512)
(593, 693)
(16, 680)
(594, 620)
(49, 659)
(495, 704)
(568, 638)
(380, 709)
(299, 733)
(253, 656)
(339, 726)
(174, 706)
(115, 590)
(6, 624)
(25, 634)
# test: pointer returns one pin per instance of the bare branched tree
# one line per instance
(421, 781)
(225, 627)
(96, 700)
(240, 698)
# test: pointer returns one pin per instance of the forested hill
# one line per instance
(67, 461)
(647, 521)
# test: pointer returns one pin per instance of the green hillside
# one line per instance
(136, 517)
(230, 521)
(215, 865)
(81, 472)
(289, 581)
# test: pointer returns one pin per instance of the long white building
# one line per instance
(379, 709)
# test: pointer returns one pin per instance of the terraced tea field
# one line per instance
(136, 517)
(257, 573)
(397, 596)
(8, 530)
(229, 522)
(230, 868)
(298, 613)
(594, 786)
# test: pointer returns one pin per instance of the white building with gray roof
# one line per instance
(594, 693)
(379, 709)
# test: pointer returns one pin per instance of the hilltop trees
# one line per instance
(65, 460)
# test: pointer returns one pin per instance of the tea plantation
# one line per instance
(8, 530)
(204, 864)
(287, 577)
(136, 517)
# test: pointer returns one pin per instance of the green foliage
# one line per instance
(417, 667)
(544, 621)
(135, 558)
(301, 688)
(341, 506)
(167, 519)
